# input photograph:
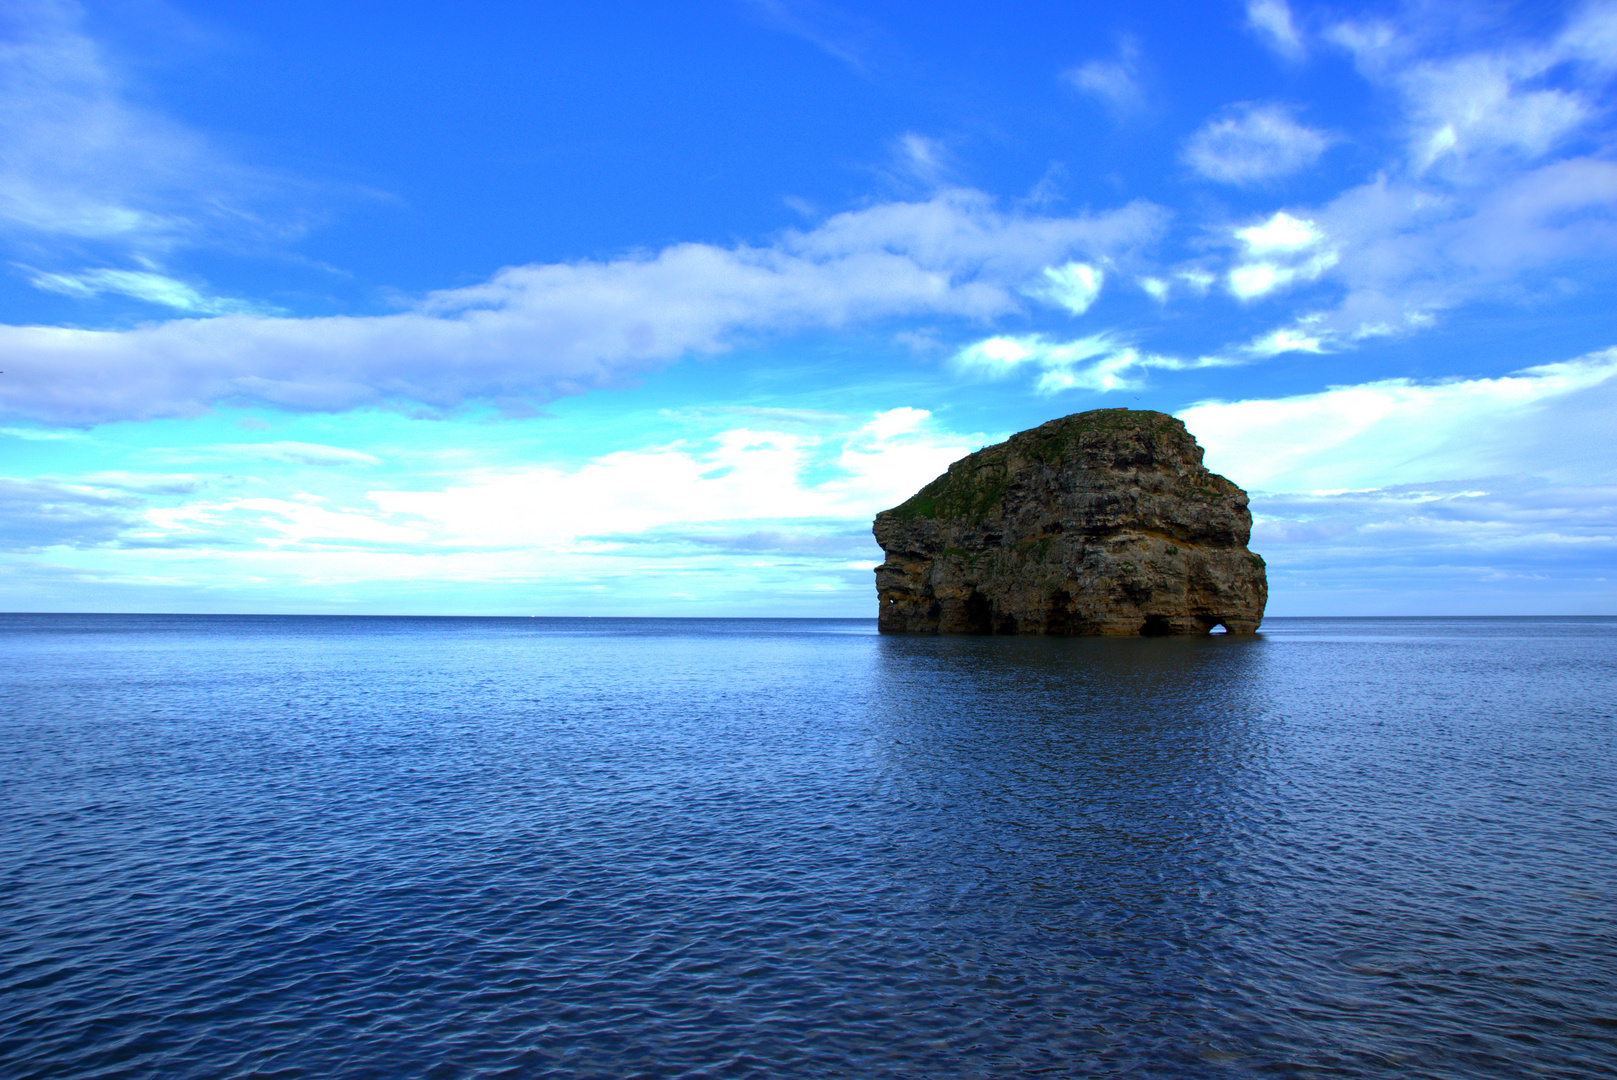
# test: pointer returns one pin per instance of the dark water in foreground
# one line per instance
(332, 847)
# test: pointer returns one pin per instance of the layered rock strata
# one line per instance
(1102, 522)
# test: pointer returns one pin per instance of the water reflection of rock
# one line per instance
(1082, 808)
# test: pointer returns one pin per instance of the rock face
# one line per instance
(1102, 522)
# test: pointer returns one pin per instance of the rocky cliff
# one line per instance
(1102, 522)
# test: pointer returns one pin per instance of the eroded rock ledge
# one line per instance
(1102, 522)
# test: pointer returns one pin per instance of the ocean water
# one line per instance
(370, 847)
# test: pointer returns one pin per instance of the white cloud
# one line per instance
(1282, 250)
(1074, 286)
(797, 418)
(1253, 280)
(1553, 419)
(1465, 496)
(270, 523)
(781, 511)
(1256, 279)
(537, 332)
(1253, 143)
(1271, 21)
(1115, 82)
(741, 475)
(1280, 234)
(154, 288)
(1286, 340)
(1099, 362)
(634, 505)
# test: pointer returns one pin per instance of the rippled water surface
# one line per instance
(330, 847)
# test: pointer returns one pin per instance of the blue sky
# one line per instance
(647, 309)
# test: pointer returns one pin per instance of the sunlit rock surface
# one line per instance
(1102, 522)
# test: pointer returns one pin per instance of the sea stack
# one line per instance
(1102, 522)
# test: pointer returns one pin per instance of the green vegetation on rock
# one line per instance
(958, 493)
(972, 488)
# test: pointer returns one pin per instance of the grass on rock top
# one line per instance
(973, 485)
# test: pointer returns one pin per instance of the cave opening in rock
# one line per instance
(979, 614)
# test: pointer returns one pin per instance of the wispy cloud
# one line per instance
(317, 455)
(749, 488)
(1464, 110)
(1271, 20)
(830, 29)
(41, 434)
(1287, 339)
(1497, 176)
(1250, 144)
(80, 161)
(1396, 431)
(273, 524)
(806, 418)
(802, 539)
(38, 514)
(1506, 545)
(922, 159)
(152, 287)
(1409, 250)
(1115, 82)
(533, 333)
(1101, 362)
(144, 483)
(1462, 496)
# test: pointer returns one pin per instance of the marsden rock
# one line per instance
(1102, 522)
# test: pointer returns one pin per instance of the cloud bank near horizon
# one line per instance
(1443, 491)
(1496, 488)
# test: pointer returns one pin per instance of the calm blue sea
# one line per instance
(394, 847)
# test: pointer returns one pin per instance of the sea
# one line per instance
(336, 847)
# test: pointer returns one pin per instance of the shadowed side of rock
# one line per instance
(1103, 522)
